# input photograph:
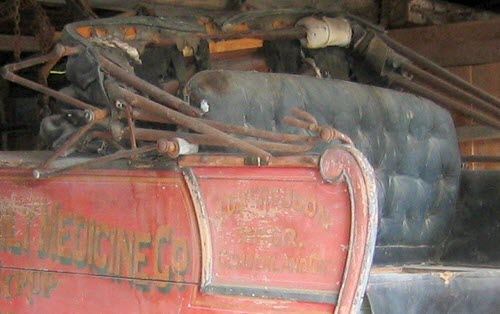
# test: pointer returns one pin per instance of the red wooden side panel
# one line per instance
(278, 233)
(27, 291)
(201, 240)
(30, 291)
(109, 224)
(109, 242)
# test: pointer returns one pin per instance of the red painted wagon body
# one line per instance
(208, 235)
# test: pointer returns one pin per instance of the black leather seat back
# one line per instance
(410, 142)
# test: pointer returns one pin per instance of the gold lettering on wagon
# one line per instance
(268, 202)
(270, 236)
(273, 263)
(15, 283)
(246, 217)
(75, 240)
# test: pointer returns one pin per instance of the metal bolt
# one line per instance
(169, 148)
(327, 134)
(88, 115)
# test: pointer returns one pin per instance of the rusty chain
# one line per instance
(17, 30)
(7, 11)
(10, 11)
(41, 25)
(44, 30)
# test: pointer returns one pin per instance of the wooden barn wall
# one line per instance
(470, 50)
(487, 77)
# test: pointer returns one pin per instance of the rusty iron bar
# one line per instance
(58, 55)
(201, 139)
(439, 71)
(131, 127)
(74, 139)
(268, 135)
(171, 86)
(343, 138)
(149, 89)
(68, 144)
(142, 115)
(44, 173)
(400, 81)
(451, 89)
(44, 74)
(57, 52)
(234, 129)
(304, 115)
(8, 73)
(152, 107)
(298, 123)
(107, 137)
(326, 133)
(9, 76)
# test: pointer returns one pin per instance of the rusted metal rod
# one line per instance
(201, 139)
(56, 53)
(42, 173)
(268, 135)
(451, 89)
(326, 133)
(107, 137)
(28, 63)
(152, 107)
(438, 70)
(149, 89)
(9, 76)
(234, 129)
(400, 81)
(304, 115)
(68, 144)
(7, 73)
(131, 126)
(138, 114)
(300, 123)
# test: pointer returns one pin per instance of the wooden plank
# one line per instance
(234, 45)
(456, 44)
(26, 43)
(464, 72)
(477, 132)
(478, 139)
(487, 77)
(486, 148)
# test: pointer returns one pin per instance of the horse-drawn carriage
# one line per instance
(251, 193)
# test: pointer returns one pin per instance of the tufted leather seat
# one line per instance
(410, 142)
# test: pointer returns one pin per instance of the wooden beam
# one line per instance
(456, 44)
(235, 45)
(26, 43)
(477, 132)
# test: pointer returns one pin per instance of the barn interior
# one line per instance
(439, 194)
